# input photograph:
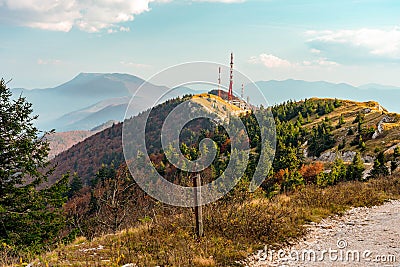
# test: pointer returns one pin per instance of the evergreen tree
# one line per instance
(379, 168)
(308, 118)
(75, 185)
(356, 169)
(339, 171)
(300, 119)
(30, 218)
(337, 174)
(396, 155)
(321, 139)
(340, 122)
(337, 103)
(363, 146)
(359, 118)
(291, 180)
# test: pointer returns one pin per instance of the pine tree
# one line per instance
(337, 174)
(363, 146)
(308, 118)
(339, 171)
(75, 185)
(340, 122)
(379, 168)
(321, 139)
(356, 169)
(30, 218)
(396, 155)
(300, 119)
(337, 103)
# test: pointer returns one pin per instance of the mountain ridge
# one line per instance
(82, 92)
(279, 91)
(87, 90)
(105, 147)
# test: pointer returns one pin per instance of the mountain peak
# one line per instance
(86, 77)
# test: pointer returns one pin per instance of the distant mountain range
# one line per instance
(86, 118)
(278, 91)
(81, 92)
(91, 99)
(88, 100)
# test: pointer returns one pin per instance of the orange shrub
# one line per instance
(310, 171)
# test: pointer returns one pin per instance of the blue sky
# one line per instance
(47, 42)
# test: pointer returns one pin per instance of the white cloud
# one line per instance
(120, 29)
(135, 65)
(270, 61)
(86, 15)
(378, 42)
(221, 1)
(325, 62)
(124, 29)
(315, 51)
(48, 61)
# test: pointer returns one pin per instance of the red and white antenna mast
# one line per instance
(230, 94)
(219, 81)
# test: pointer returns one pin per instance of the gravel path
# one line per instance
(362, 237)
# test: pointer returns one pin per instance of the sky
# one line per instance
(47, 42)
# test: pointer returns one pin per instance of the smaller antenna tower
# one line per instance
(219, 81)
(242, 96)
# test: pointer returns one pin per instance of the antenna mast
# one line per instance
(242, 91)
(230, 94)
(219, 81)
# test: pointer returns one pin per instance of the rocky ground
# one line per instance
(361, 237)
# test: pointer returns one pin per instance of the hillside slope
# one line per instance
(380, 130)
(62, 141)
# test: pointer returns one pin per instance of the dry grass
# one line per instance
(198, 261)
(235, 227)
(349, 110)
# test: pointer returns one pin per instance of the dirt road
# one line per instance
(362, 237)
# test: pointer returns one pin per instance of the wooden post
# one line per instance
(198, 211)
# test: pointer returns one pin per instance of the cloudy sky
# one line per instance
(46, 42)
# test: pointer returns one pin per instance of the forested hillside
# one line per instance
(314, 129)
(320, 142)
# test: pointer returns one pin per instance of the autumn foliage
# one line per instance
(310, 171)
